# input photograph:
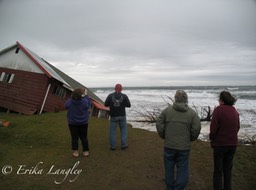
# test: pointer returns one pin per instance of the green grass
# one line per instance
(44, 140)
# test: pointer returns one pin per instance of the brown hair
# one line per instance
(227, 98)
(77, 94)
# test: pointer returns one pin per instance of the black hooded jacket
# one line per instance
(117, 102)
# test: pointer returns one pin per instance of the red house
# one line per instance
(31, 85)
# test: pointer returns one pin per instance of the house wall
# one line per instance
(25, 93)
(18, 60)
(55, 103)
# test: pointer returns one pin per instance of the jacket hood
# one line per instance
(182, 107)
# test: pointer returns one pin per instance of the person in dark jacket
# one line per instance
(78, 115)
(117, 102)
(178, 125)
(224, 128)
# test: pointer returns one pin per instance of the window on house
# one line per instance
(60, 91)
(6, 77)
(17, 50)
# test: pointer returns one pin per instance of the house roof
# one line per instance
(73, 83)
(52, 72)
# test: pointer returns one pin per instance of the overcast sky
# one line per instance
(138, 42)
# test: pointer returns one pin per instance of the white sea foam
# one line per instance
(157, 97)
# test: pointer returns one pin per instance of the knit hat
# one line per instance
(118, 88)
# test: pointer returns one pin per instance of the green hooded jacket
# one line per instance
(178, 125)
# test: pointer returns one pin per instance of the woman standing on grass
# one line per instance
(77, 115)
(223, 136)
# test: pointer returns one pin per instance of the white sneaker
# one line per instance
(86, 153)
(75, 153)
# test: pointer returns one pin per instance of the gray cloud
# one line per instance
(138, 43)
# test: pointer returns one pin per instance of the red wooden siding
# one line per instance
(24, 94)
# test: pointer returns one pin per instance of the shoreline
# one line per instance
(245, 139)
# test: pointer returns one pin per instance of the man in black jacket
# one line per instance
(117, 101)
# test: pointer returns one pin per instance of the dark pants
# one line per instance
(79, 131)
(223, 163)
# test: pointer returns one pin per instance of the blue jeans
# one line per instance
(121, 121)
(180, 159)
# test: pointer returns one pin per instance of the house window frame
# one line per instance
(7, 77)
(60, 91)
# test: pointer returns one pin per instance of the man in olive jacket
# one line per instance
(178, 125)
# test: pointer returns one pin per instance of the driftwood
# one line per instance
(249, 140)
(151, 116)
(206, 114)
(148, 116)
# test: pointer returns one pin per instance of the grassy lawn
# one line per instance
(36, 151)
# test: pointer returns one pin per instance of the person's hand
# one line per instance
(85, 92)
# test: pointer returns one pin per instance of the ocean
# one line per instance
(149, 101)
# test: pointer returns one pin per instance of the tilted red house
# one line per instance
(29, 84)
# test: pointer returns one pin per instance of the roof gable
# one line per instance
(35, 58)
(43, 65)
(15, 58)
(25, 60)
